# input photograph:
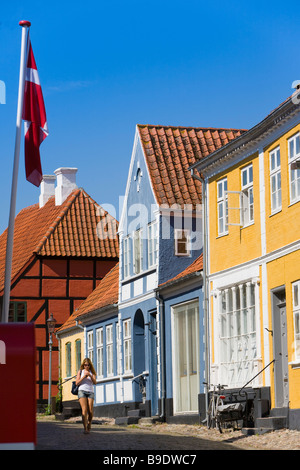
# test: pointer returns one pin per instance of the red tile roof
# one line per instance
(105, 295)
(71, 229)
(170, 151)
(193, 268)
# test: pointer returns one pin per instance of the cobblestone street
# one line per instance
(105, 436)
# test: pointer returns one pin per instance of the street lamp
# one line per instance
(51, 327)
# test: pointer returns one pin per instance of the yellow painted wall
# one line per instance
(283, 227)
(283, 272)
(242, 243)
(71, 337)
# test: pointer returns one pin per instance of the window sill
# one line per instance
(293, 203)
(221, 235)
(276, 212)
(247, 225)
(137, 276)
(187, 255)
(107, 379)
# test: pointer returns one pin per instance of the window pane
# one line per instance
(250, 174)
(297, 144)
(296, 301)
(291, 146)
(278, 157)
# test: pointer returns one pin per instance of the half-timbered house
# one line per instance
(63, 246)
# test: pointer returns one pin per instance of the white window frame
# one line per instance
(90, 345)
(296, 316)
(127, 346)
(152, 244)
(222, 207)
(126, 256)
(247, 195)
(294, 154)
(118, 341)
(109, 340)
(275, 180)
(99, 351)
(138, 251)
(238, 333)
(182, 242)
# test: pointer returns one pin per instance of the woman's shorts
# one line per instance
(84, 394)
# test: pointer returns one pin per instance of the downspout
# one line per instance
(162, 352)
(205, 286)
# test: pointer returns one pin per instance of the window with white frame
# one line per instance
(152, 244)
(90, 345)
(127, 345)
(78, 354)
(275, 180)
(138, 251)
(126, 256)
(294, 154)
(109, 350)
(237, 333)
(222, 203)
(182, 242)
(119, 369)
(99, 351)
(247, 195)
(68, 360)
(296, 314)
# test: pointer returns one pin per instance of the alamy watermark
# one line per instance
(138, 215)
(2, 92)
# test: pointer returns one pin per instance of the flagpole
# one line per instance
(10, 232)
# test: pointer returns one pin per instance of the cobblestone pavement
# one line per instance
(68, 435)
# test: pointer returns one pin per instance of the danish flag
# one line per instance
(35, 121)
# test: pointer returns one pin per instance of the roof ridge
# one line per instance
(66, 206)
(194, 127)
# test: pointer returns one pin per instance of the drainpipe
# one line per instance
(205, 285)
(162, 349)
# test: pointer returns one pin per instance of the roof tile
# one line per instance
(170, 151)
(71, 229)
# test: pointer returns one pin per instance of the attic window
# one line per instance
(182, 242)
(138, 177)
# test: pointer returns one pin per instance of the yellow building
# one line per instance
(252, 259)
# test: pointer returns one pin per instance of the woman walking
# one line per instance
(86, 379)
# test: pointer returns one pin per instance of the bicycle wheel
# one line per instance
(209, 415)
(219, 416)
(219, 422)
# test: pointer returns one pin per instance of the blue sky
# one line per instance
(106, 66)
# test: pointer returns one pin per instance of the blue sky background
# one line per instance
(106, 66)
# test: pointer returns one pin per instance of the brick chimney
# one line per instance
(66, 182)
(47, 189)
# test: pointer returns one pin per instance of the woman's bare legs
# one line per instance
(84, 410)
(90, 412)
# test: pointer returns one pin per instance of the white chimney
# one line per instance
(66, 182)
(47, 189)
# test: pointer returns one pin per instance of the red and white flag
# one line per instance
(35, 125)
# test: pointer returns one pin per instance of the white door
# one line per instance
(185, 346)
